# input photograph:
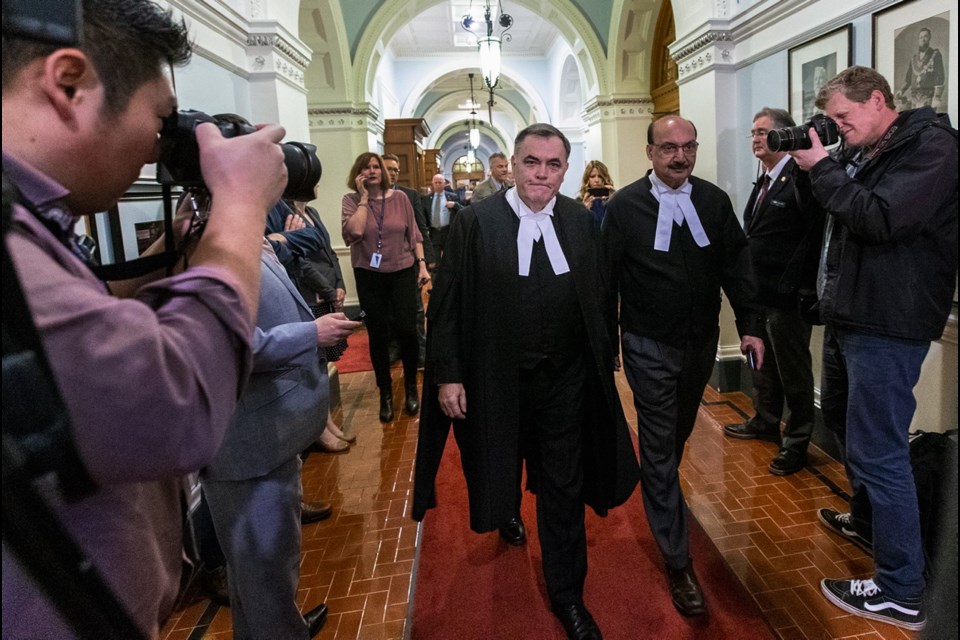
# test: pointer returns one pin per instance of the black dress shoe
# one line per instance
(787, 462)
(386, 406)
(214, 584)
(315, 619)
(412, 403)
(577, 622)
(752, 431)
(514, 532)
(685, 591)
(315, 511)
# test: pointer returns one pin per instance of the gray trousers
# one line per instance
(667, 384)
(258, 525)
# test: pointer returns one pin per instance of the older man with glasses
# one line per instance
(671, 242)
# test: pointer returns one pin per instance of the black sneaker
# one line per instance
(842, 525)
(866, 599)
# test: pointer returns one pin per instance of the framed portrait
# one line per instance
(811, 64)
(912, 49)
(129, 227)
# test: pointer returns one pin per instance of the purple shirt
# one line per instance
(399, 235)
(149, 383)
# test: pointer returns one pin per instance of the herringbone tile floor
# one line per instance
(360, 561)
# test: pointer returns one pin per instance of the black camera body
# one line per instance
(179, 162)
(793, 138)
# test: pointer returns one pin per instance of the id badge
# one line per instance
(375, 260)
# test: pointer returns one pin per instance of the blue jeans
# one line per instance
(878, 375)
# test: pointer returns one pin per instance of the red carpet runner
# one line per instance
(357, 356)
(476, 586)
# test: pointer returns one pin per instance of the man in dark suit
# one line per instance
(441, 207)
(783, 224)
(392, 164)
(420, 212)
(538, 386)
(671, 242)
(253, 484)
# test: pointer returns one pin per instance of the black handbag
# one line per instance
(332, 353)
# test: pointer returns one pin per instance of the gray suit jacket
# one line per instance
(484, 190)
(284, 405)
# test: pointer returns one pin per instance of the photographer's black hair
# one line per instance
(128, 41)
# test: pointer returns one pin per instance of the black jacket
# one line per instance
(892, 256)
(784, 235)
(674, 296)
(420, 214)
(473, 338)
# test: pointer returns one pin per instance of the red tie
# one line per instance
(763, 192)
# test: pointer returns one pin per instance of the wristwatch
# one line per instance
(421, 259)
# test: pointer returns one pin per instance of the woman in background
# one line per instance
(320, 282)
(596, 187)
(386, 252)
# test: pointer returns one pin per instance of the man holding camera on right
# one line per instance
(885, 283)
(149, 383)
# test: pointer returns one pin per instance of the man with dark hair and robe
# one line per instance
(539, 387)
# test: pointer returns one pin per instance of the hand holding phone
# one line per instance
(359, 317)
(599, 192)
(751, 360)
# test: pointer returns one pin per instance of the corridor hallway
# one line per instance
(360, 561)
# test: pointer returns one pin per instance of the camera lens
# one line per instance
(303, 170)
(788, 139)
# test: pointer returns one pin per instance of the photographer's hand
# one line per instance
(806, 158)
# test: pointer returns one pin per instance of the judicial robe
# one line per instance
(473, 338)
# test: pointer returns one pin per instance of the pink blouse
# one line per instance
(390, 225)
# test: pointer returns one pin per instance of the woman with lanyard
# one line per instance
(386, 252)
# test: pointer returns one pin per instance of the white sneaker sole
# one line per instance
(913, 626)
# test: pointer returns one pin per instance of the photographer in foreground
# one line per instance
(149, 383)
(885, 284)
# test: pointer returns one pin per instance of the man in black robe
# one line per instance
(519, 360)
(671, 242)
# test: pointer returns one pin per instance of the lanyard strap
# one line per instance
(383, 213)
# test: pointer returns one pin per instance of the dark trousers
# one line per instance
(787, 375)
(551, 415)
(438, 237)
(390, 302)
(667, 383)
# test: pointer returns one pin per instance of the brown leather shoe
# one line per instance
(315, 511)
(685, 591)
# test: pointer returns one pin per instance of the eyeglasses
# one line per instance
(758, 133)
(669, 149)
(393, 169)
